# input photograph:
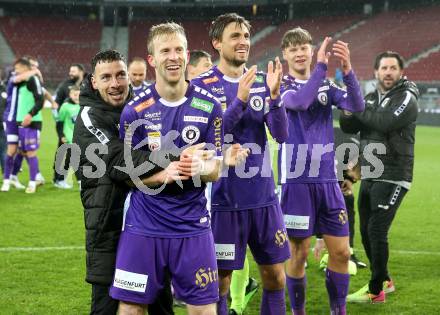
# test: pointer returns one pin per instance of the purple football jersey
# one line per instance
(251, 185)
(196, 118)
(10, 112)
(308, 154)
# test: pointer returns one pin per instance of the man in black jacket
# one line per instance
(388, 126)
(104, 189)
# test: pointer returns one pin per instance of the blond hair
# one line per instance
(169, 28)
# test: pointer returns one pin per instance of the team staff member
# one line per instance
(389, 119)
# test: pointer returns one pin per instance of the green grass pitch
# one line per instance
(42, 260)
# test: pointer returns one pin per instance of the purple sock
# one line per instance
(337, 288)
(9, 162)
(33, 167)
(222, 305)
(17, 164)
(297, 294)
(273, 302)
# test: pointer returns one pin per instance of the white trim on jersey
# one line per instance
(173, 104)
(126, 206)
(283, 163)
(301, 81)
(13, 106)
(93, 130)
(231, 79)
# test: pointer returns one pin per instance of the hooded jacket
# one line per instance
(103, 193)
(389, 119)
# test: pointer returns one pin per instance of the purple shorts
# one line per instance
(11, 131)
(142, 261)
(262, 229)
(314, 208)
(28, 139)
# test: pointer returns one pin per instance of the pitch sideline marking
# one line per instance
(54, 248)
(39, 249)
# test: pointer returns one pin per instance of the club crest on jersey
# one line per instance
(190, 134)
(322, 98)
(154, 142)
(202, 104)
(256, 103)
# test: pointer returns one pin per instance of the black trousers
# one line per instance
(58, 177)
(378, 203)
(349, 204)
(103, 304)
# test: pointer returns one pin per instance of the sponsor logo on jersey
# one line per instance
(130, 281)
(259, 79)
(210, 80)
(144, 105)
(297, 222)
(218, 90)
(224, 107)
(260, 89)
(322, 98)
(218, 133)
(225, 251)
(323, 88)
(190, 134)
(154, 142)
(280, 238)
(153, 116)
(155, 127)
(205, 276)
(256, 103)
(199, 119)
(202, 104)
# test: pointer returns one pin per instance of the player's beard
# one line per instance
(74, 78)
(385, 87)
(234, 62)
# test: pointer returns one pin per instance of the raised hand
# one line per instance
(274, 76)
(323, 55)
(340, 50)
(235, 155)
(245, 84)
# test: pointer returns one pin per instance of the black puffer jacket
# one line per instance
(389, 119)
(103, 197)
